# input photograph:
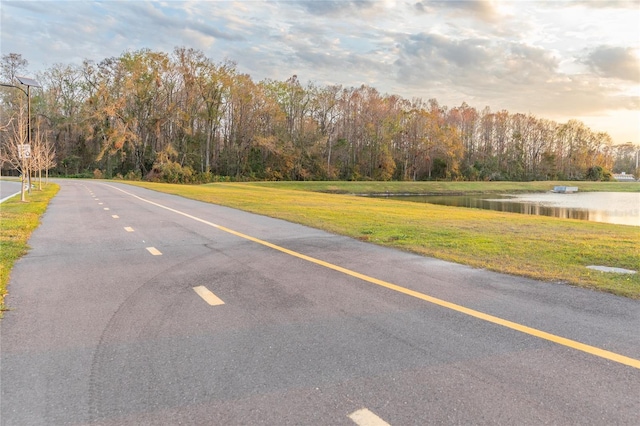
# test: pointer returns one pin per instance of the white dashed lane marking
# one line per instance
(364, 417)
(208, 296)
(154, 251)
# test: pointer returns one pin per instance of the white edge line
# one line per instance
(10, 196)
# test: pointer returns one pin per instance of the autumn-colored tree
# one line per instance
(183, 113)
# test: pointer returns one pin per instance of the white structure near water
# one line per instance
(623, 177)
(565, 189)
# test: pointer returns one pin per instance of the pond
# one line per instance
(621, 208)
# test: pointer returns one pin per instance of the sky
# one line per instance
(558, 60)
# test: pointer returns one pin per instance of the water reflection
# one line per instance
(610, 207)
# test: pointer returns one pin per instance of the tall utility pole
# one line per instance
(25, 152)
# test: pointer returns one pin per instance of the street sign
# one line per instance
(24, 151)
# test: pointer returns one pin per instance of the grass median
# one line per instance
(17, 221)
(533, 246)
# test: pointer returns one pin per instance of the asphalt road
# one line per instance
(8, 188)
(304, 327)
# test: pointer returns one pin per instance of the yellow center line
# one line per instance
(612, 356)
(128, 229)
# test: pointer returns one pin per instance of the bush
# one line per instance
(171, 172)
(597, 174)
(133, 175)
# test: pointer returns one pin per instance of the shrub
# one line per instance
(133, 175)
(597, 173)
(171, 172)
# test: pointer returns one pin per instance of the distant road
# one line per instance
(136, 307)
(8, 188)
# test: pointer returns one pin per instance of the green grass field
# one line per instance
(17, 221)
(533, 246)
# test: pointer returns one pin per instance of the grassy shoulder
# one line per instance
(17, 221)
(532, 246)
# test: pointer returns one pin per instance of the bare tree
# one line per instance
(11, 65)
(3, 157)
(42, 153)
(15, 151)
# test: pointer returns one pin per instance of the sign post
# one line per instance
(24, 151)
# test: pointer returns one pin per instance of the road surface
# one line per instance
(8, 189)
(135, 307)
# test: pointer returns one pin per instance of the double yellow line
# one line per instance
(612, 356)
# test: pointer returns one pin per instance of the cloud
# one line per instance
(140, 19)
(483, 10)
(472, 62)
(334, 7)
(502, 74)
(614, 62)
(600, 4)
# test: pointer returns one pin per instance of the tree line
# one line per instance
(181, 117)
